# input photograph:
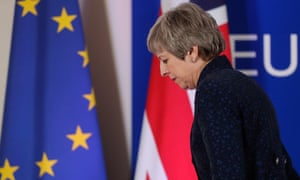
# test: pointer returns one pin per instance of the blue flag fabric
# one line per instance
(50, 127)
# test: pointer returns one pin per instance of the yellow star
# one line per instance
(7, 171)
(28, 6)
(79, 138)
(64, 20)
(85, 56)
(91, 97)
(45, 165)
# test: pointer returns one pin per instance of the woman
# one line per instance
(234, 133)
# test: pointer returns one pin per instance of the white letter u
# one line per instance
(294, 56)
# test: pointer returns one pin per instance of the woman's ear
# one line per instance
(194, 53)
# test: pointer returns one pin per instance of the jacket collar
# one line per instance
(218, 63)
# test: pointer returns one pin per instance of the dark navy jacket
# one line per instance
(235, 133)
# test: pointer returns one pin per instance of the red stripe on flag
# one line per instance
(170, 117)
(225, 32)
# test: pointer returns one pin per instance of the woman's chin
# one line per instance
(185, 87)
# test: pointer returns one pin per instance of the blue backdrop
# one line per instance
(264, 36)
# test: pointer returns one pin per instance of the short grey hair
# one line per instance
(183, 27)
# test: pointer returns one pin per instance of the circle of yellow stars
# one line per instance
(79, 138)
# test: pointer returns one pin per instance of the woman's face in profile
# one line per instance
(178, 70)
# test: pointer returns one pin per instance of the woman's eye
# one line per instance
(165, 61)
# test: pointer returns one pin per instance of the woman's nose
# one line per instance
(164, 74)
(163, 70)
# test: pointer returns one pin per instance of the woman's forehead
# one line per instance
(163, 53)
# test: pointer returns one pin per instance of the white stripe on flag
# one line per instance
(191, 96)
(220, 14)
(168, 4)
(148, 161)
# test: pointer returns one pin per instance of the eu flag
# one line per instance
(50, 127)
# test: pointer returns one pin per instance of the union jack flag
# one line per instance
(164, 146)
